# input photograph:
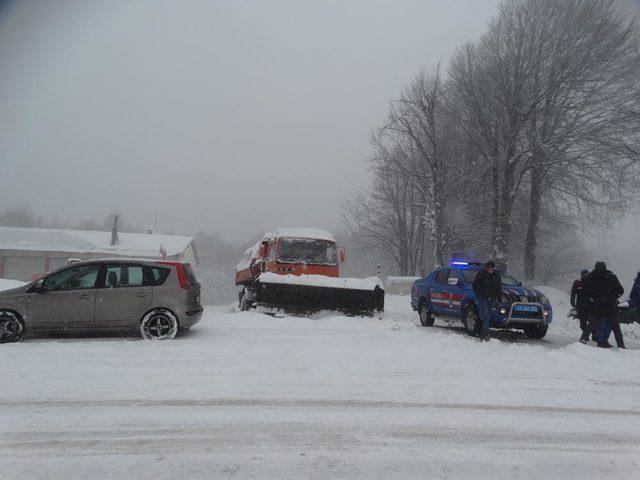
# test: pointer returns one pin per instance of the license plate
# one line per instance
(525, 308)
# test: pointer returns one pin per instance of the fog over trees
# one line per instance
(527, 141)
(518, 146)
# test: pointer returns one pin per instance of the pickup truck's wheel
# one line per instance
(426, 318)
(11, 328)
(471, 320)
(537, 332)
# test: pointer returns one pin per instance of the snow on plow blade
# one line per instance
(312, 293)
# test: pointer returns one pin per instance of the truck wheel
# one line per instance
(471, 320)
(245, 303)
(538, 332)
(426, 318)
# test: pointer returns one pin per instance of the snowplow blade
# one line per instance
(302, 299)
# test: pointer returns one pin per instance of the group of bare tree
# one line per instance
(529, 137)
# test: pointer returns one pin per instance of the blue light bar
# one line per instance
(460, 263)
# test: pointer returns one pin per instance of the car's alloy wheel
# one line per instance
(11, 328)
(471, 321)
(426, 319)
(159, 324)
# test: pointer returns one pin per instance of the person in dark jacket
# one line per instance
(604, 290)
(488, 288)
(634, 297)
(582, 303)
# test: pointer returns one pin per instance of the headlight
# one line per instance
(503, 311)
(547, 313)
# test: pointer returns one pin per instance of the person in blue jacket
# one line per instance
(634, 297)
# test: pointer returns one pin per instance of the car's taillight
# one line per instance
(182, 275)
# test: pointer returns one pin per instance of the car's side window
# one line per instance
(124, 276)
(154, 276)
(469, 275)
(453, 274)
(77, 278)
(442, 276)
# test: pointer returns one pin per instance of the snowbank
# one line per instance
(322, 281)
(399, 285)
(6, 284)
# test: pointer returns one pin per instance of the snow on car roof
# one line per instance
(299, 232)
(79, 241)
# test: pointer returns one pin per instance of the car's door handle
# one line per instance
(85, 297)
(143, 294)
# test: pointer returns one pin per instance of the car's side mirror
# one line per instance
(37, 287)
(454, 282)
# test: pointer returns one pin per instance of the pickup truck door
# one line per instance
(455, 292)
(438, 293)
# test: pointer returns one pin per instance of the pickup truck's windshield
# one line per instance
(507, 280)
(306, 250)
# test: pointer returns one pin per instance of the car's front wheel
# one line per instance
(426, 318)
(538, 332)
(159, 324)
(11, 328)
(471, 320)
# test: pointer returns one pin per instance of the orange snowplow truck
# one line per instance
(297, 270)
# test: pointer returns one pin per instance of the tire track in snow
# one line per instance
(310, 403)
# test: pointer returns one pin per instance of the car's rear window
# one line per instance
(155, 276)
(191, 276)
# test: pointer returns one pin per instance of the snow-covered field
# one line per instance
(244, 395)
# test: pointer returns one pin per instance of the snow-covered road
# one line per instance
(244, 395)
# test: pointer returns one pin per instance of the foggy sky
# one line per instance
(228, 116)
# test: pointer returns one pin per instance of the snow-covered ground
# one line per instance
(244, 395)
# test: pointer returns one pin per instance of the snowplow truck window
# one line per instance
(317, 252)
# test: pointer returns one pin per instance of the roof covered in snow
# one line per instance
(79, 241)
(299, 232)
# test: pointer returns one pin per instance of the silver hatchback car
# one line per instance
(158, 299)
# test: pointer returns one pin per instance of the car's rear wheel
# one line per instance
(159, 324)
(471, 320)
(426, 318)
(11, 328)
(537, 332)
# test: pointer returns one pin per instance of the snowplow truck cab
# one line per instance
(297, 270)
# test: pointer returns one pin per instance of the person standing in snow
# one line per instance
(634, 297)
(581, 302)
(488, 288)
(604, 289)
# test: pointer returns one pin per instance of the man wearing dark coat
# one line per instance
(604, 290)
(634, 297)
(488, 288)
(581, 302)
